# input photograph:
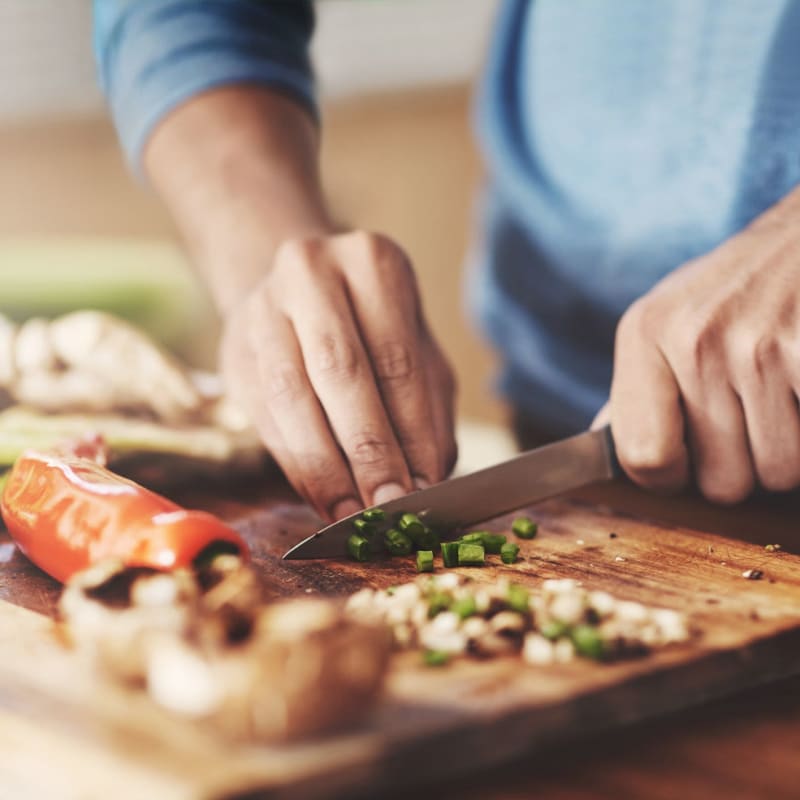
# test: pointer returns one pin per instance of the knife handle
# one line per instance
(611, 451)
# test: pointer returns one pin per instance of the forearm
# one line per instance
(238, 169)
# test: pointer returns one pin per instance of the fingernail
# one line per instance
(344, 508)
(387, 492)
(421, 483)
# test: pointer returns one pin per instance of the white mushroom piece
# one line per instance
(206, 646)
(93, 361)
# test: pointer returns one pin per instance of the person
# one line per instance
(639, 253)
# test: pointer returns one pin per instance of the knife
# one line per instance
(456, 503)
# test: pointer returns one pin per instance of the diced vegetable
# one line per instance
(509, 552)
(471, 555)
(411, 525)
(465, 607)
(524, 527)
(493, 542)
(435, 658)
(450, 554)
(424, 561)
(358, 547)
(588, 642)
(438, 602)
(374, 515)
(518, 598)
(397, 543)
(554, 629)
(364, 528)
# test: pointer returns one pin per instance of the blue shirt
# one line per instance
(622, 138)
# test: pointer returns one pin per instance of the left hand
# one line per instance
(707, 368)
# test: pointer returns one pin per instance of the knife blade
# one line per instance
(453, 504)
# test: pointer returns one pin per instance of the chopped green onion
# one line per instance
(391, 590)
(364, 528)
(438, 602)
(493, 542)
(509, 552)
(588, 642)
(465, 606)
(554, 629)
(358, 547)
(411, 524)
(424, 561)
(524, 527)
(397, 543)
(517, 598)
(450, 554)
(471, 555)
(435, 658)
(374, 515)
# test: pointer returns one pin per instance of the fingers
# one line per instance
(772, 416)
(384, 298)
(292, 419)
(340, 373)
(646, 414)
(443, 389)
(718, 441)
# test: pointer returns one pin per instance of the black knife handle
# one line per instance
(616, 467)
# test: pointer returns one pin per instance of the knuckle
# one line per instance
(336, 358)
(776, 475)
(694, 343)
(377, 258)
(367, 449)
(653, 465)
(725, 489)
(640, 320)
(375, 247)
(283, 381)
(759, 355)
(295, 253)
(643, 456)
(395, 361)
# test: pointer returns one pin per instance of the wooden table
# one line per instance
(746, 746)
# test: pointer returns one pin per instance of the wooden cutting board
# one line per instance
(433, 722)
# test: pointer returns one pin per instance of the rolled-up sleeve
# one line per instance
(154, 54)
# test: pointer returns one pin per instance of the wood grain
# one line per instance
(749, 633)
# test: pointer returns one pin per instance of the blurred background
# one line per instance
(396, 79)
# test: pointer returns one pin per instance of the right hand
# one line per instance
(331, 357)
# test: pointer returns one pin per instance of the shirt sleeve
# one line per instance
(153, 55)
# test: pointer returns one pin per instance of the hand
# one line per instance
(332, 358)
(707, 368)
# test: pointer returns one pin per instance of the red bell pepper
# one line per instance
(66, 511)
